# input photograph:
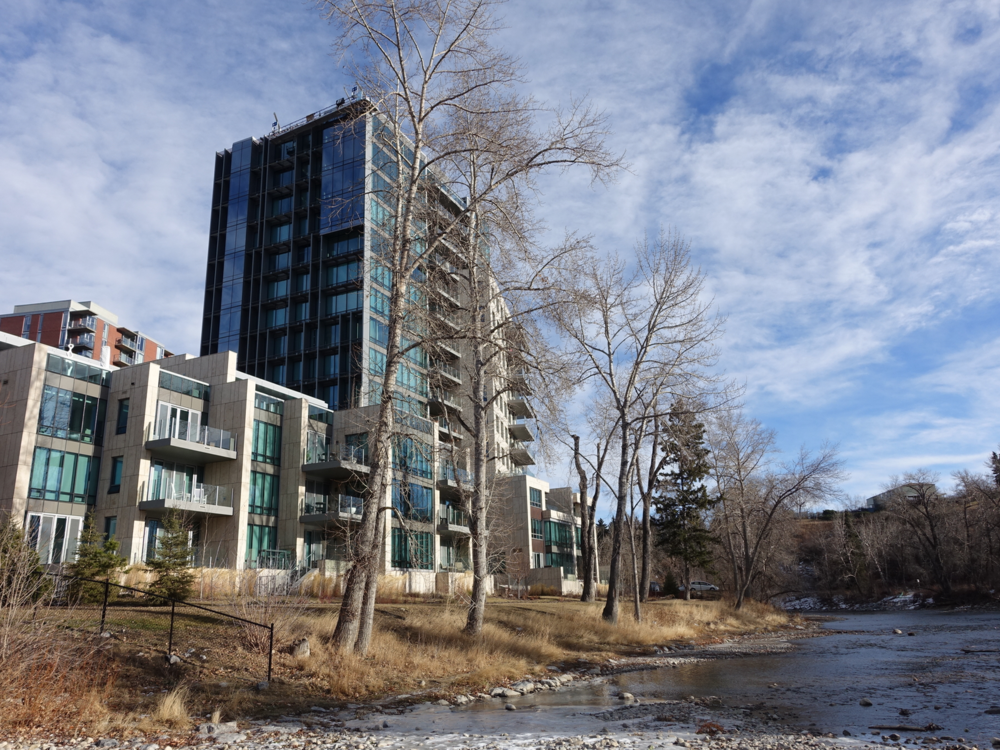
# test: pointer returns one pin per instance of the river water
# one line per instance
(819, 683)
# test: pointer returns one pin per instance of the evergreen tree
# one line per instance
(681, 499)
(172, 563)
(96, 557)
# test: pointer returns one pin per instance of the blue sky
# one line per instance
(836, 167)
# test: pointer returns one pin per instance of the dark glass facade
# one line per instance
(284, 286)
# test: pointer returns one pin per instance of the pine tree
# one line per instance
(172, 563)
(97, 558)
(682, 500)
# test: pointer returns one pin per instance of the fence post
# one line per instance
(170, 641)
(104, 607)
(270, 653)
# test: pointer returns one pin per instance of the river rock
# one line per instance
(523, 687)
(996, 742)
(229, 738)
(897, 631)
(443, 702)
(173, 659)
(894, 737)
(211, 729)
(993, 710)
(498, 692)
(864, 702)
(461, 700)
(510, 707)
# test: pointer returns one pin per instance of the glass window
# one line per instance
(378, 332)
(412, 456)
(66, 477)
(300, 312)
(536, 528)
(266, 442)
(260, 541)
(263, 493)
(181, 384)
(277, 289)
(55, 538)
(110, 527)
(122, 422)
(276, 318)
(116, 474)
(413, 501)
(560, 534)
(535, 497)
(412, 550)
(71, 416)
(279, 261)
(343, 273)
(335, 304)
(301, 282)
(379, 303)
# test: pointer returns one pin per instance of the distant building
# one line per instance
(903, 491)
(83, 328)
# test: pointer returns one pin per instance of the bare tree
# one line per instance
(757, 496)
(636, 332)
(423, 66)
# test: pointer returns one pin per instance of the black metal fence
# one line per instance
(184, 633)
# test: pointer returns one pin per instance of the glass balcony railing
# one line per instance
(87, 323)
(85, 340)
(454, 517)
(451, 474)
(319, 450)
(316, 504)
(175, 488)
(191, 433)
(447, 369)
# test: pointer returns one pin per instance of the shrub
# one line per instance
(173, 577)
(95, 558)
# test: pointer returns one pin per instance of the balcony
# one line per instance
(447, 372)
(449, 348)
(453, 520)
(183, 441)
(121, 359)
(340, 462)
(518, 406)
(86, 323)
(445, 317)
(82, 341)
(321, 509)
(520, 455)
(440, 401)
(206, 499)
(447, 296)
(453, 482)
(129, 344)
(521, 431)
(447, 430)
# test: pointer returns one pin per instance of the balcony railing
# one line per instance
(316, 504)
(447, 398)
(87, 322)
(121, 358)
(212, 437)
(181, 491)
(447, 369)
(454, 516)
(86, 340)
(451, 474)
(319, 451)
(130, 343)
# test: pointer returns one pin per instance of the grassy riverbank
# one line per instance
(418, 648)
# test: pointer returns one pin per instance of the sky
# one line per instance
(835, 167)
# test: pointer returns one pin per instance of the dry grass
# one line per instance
(425, 642)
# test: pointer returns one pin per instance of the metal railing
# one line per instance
(84, 339)
(199, 494)
(125, 359)
(317, 504)
(451, 474)
(319, 450)
(444, 367)
(447, 398)
(88, 321)
(123, 614)
(454, 517)
(130, 342)
(212, 437)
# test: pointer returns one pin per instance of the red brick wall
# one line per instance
(52, 328)
(12, 325)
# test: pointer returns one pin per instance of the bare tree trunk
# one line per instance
(371, 589)
(647, 552)
(610, 613)
(637, 611)
(480, 565)
(586, 532)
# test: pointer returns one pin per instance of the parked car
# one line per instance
(700, 586)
